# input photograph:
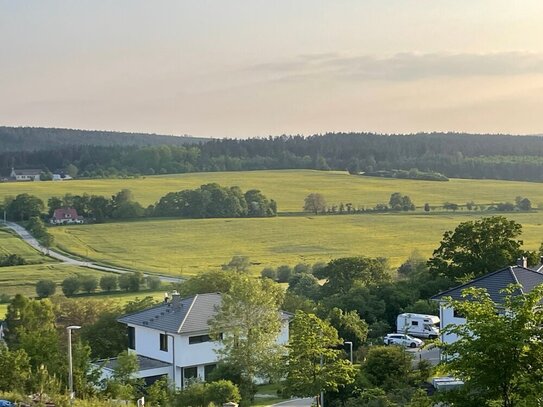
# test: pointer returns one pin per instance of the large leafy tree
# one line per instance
(249, 322)
(314, 363)
(315, 203)
(499, 353)
(477, 247)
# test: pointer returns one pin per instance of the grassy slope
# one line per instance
(11, 244)
(290, 187)
(184, 247)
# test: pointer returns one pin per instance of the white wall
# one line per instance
(447, 318)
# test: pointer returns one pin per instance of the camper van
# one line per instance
(423, 326)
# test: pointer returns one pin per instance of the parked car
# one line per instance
(5, 403)
(403, 340)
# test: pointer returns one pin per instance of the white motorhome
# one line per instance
(423, 326)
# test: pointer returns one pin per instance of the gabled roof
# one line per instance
(496, 281)
(191, 315)
(27, 172)
(65, 213)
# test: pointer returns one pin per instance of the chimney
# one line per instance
(166, 298)
(522, 262)
(176, 300)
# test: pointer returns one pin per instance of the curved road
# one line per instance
(27, 237)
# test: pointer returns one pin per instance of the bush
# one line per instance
(12, 260)
(88, 283)
(45, 288)
(130, 281)
(269, 272)
(283, 274)
(4, 298)
(109, 283)
(302, 268)
(70, 285)
(153, 282)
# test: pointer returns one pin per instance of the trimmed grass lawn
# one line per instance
(290, 187)
(189, 246)
(12, 244)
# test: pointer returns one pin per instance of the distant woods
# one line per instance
(433, 156)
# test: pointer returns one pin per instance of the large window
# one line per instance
(207, 370)
(199, 339)
(458, 314)
(131, 337)
(164, 342)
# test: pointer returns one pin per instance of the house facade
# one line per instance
(25, 175)
(494, 283)
(65, 216)
(173, 339)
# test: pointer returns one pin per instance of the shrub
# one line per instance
(70, 285)
(109, 283)
(45, 288)
(283, 273)
(153, 282)
(269, 272)
(88, 283)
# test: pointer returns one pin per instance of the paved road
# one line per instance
(295, 403)
(431, 354)
(27, 237)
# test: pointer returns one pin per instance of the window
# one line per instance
(190, 373)
(458, 314)
(207, 370)
(131, 337)
(164, 342)
(199, 339)
(415, 323)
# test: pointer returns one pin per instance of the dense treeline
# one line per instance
(450, 154)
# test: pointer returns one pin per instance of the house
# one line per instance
(494, 283)
(25, 175)
(66, 216)
(176, 333)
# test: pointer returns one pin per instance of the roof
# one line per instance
(496, 281)
(191, 315)
(144, 363)
(27, 172)
(65, 213)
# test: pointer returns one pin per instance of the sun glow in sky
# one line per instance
(253, 67)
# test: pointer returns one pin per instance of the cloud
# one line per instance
(406, 66)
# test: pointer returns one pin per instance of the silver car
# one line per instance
(403, 340)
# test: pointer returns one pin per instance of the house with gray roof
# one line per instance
(172, 339)
(494, 283)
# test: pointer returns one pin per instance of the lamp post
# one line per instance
(351, 350)
(70, 364)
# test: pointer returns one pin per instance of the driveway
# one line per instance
(431, 354)
(27, 237)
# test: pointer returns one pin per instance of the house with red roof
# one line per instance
(66, 216)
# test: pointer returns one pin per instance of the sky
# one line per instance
(256, 68)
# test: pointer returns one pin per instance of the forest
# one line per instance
(450, 155)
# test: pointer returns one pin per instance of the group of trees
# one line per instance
(88, 283)
(316, 203)
(214, 201)
(11, 260)
(420, 155)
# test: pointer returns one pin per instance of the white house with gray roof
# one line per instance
(176, 333)
(494, 283)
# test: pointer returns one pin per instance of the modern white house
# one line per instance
(494, 283)
(176, 333)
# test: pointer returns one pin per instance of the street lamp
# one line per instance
(351, 348)
(70, 366)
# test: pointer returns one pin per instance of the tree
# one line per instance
(283, 273)
(248, 321)
(342, 274)
(213, 281)
(269, 272)
(477, 247)
(313, 364)
(314, 203)
(109, 282)
(387, 366)
(14, 369)
(304, 284)
(53, 203)
(24, 207)
(88, 283)
(499, 352)
(71, 285)
(523, 204)
(240, 264)
(349, 326)
(399, 202)
(45, 288)
(130, 281)
(153, 282)
(427, 207)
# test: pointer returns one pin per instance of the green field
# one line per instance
(11, 244)
(290, 187)
(185, 247)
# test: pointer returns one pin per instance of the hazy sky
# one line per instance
(254, 67)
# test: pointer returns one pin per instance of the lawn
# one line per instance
(11, 244)
(290, 187)
(186, 247)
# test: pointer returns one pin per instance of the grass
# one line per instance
(290, 187)
(11, 244)
(186, 247)
(266, 395)
(22, 279)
